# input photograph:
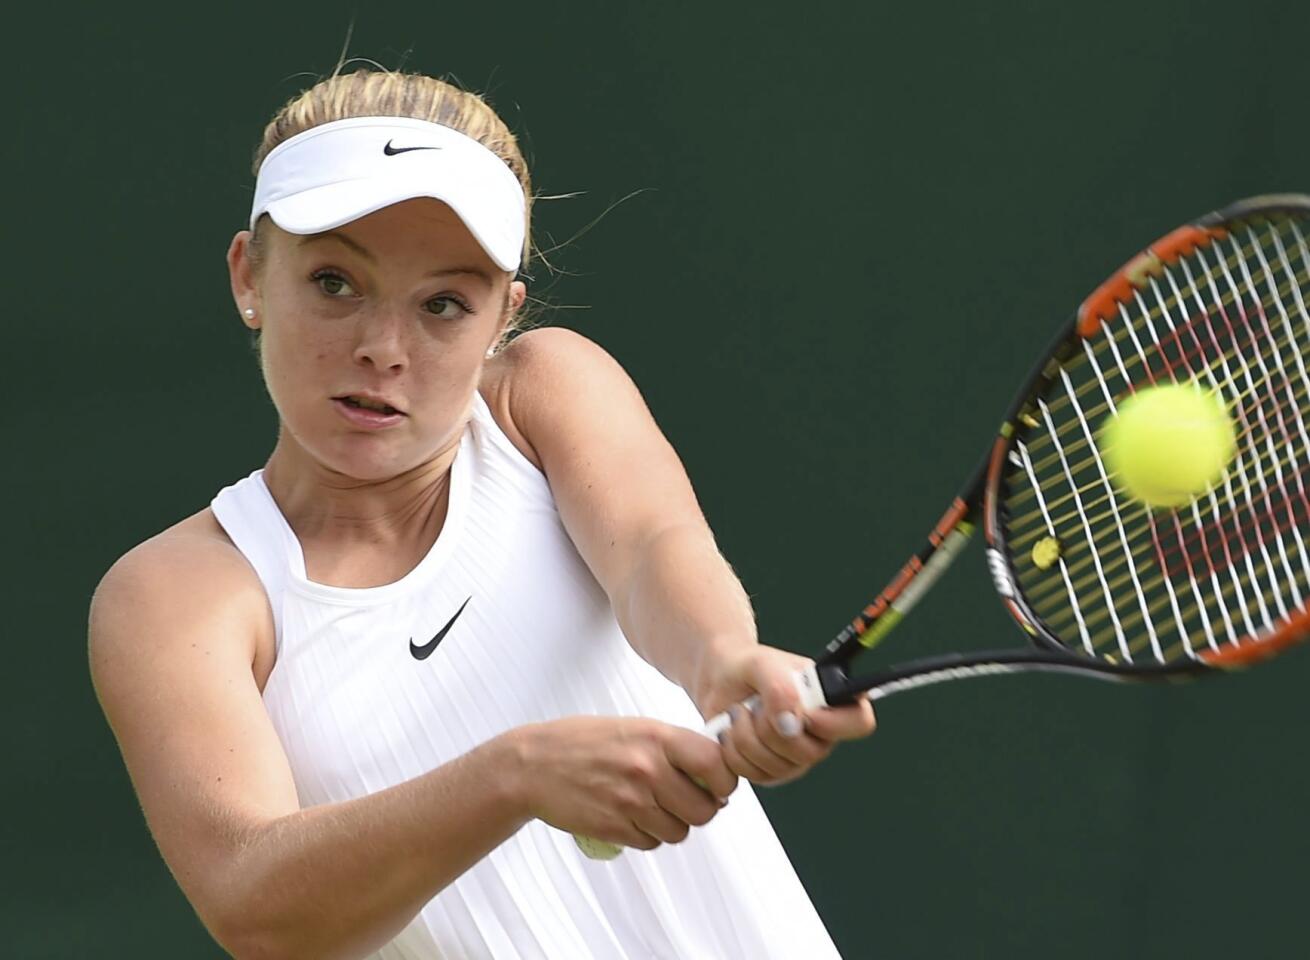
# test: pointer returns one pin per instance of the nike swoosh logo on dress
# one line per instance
(425, 651)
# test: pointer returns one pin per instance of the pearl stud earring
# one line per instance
(249, 313)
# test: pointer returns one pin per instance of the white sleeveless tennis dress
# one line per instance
(357, 711)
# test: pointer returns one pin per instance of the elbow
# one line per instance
(247, 911)
(245, 943)
(244, 938)
(250, 934)
(247, 932)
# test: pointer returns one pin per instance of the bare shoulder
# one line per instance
(616, 479)
(547, 375)
(180, 645)
(163, 590)
(548, 349)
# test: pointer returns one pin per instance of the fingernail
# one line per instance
(788, 724)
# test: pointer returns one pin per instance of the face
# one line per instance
(373, 335)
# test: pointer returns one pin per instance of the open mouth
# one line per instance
(364, 403)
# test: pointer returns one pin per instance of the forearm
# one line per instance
(340, 880)
(684, 610)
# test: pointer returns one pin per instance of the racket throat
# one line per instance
(832, 684)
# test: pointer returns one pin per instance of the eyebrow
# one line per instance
(478, 272)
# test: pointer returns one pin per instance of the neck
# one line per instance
(321, 504)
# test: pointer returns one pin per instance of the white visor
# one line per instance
(341, 171)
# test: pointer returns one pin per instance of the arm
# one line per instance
(175, 628)
(625, 500)
(627, 503)
(172, 637)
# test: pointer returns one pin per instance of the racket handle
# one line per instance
(808, 685)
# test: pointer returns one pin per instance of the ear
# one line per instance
(241, 274)
(518, 293)
(514, 299)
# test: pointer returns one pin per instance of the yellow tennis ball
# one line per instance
(1168, 444)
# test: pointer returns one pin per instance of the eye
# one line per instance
(448, 307)
(332, 283)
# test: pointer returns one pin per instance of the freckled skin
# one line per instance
(379, 324)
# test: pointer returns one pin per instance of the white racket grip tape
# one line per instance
(807, 685)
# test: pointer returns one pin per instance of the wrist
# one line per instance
(717, 681)
(512, 764)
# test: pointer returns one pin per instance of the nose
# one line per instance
(380, 341)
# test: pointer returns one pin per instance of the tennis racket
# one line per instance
(1101, 585)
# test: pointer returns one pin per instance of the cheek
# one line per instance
(448, 372)
(293, 360)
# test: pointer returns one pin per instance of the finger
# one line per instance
(701, 759)
(663, 826)
(685, 800)
(739, 765)
(798, 771)
(638, 838)
(625, 833)
(743, 737)
(803, 750)
(794, 744)
(842, 723)
(780, 701)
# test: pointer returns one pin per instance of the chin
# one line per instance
(361, 457)
(368, 457)
(369, 466)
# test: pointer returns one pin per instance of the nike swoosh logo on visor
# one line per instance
(391, 151)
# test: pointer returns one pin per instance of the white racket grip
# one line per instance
(807, 685)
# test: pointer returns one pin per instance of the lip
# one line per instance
(364, 417)
(370, 397)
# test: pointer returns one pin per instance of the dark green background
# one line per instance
(858, 224)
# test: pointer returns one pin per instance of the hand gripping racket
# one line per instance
(1102, 585)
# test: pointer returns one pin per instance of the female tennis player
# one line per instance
(468, 607)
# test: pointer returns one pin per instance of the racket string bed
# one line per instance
(1289, 389)
(1113, 500)
(1280, 486)
(1117, 524)
(1221, 593)
(1183, 358)
(1236, 551)
(1093, 411)
(1249, 454)
(1295, 400)
(1025, 538)
(1126, 555)
(1021, 451)
(1086, 528)
(1246, 431)
(1267, 377)
(1165, 304)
